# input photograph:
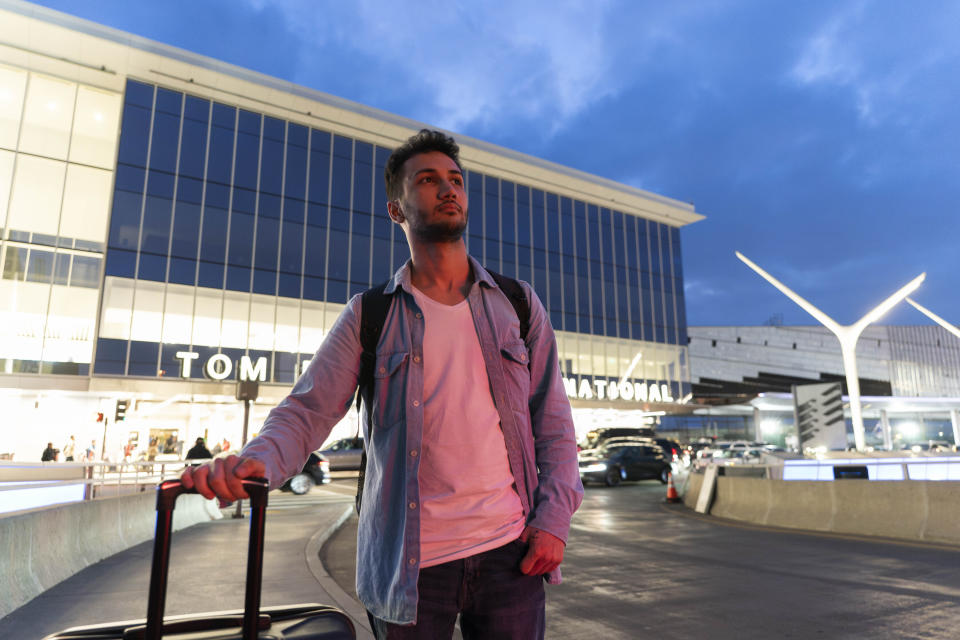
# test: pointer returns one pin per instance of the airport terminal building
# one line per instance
(172, 224)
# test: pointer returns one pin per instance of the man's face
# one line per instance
(434, 202)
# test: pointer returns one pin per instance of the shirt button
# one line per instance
(416, 403)
(413, 453)
(383, 369)
(416, 358)
(413, 505)
(523, 357)
(412, 561)
(419, 315)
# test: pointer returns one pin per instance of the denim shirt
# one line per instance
(527, 390)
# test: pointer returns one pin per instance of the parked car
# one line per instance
(595, 437)
(315, 471)
(344, 454)
(613, 463)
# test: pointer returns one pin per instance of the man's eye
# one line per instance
(457, 181)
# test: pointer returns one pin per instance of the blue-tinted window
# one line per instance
(288, 285)
(360, 250)
(210, 274)
(193, 142)
(268, 242)
(40, 266)
(247, 167)
(271, 166)
(125, 220)
(135, 138)
(166, 131)
(295, 174)
(284, 367)
(538, 220)
(475, 213)
(319, 182)
(342, 166)
(220, 159)
(152, 267)
(143, 358)
(111, 356)
(139, 94)
(316, 241)
(156, 225)
(363, 178)
(238, 278)
(654, 239)
(183, 271)
(291, 246)
(121, 263)
(61, 269)
(523, 216)
(170, 365)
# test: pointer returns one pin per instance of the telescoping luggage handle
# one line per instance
(167, 493)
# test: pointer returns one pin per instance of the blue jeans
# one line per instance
(494, 600)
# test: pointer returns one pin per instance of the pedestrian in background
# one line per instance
(49, 454)
(69, 449)
(199, 451)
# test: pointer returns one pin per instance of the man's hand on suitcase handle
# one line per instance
(221, 477)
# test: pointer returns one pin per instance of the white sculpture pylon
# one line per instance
(940, 321)
(847, 335)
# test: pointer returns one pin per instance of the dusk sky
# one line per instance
(820, 138)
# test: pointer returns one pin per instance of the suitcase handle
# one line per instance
(167, 493)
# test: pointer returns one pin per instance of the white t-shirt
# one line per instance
(467, 495)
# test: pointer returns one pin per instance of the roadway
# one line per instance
(634, 568)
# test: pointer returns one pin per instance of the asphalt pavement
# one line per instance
(634, 567)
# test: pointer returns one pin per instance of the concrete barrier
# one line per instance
(906, 510)
(40, 548)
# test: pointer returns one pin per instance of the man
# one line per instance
(199, 450)
(69, 449)
(49, 454)
(472, 473)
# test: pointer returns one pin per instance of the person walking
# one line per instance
(69, 449)
(49, 454)
(199, 451)
(472, 477)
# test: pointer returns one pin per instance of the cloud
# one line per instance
(516, 60)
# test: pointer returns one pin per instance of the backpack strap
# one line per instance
(374, 305)
(518, 298)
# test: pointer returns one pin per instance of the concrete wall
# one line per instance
(908, 510)
(40, 548)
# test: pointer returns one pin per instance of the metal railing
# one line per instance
(31, 485)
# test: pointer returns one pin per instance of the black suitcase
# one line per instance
(297, 622)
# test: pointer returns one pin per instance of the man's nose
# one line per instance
(446, 190)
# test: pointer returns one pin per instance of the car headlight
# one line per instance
(598, 466)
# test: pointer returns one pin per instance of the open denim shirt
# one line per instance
(527, 389)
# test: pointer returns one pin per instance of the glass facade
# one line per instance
(236, 232)
(57, 149)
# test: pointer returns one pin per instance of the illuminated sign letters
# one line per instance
(219, 366)
(625, 390)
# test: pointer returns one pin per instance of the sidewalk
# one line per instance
(207, 570)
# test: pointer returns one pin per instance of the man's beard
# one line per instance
(441, 231)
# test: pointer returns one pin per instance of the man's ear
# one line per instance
(396, 213)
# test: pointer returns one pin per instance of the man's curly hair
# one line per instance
(424, 141)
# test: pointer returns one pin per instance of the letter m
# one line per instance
(249, 371)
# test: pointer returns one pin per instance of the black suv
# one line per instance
(617, 461)
(595, 437)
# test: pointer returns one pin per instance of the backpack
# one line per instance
(374, 305)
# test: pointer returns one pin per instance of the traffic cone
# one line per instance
(672, 495)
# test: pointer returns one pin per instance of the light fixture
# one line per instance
(846, 334)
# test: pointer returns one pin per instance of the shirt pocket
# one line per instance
(389, 382)
(516, 371)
